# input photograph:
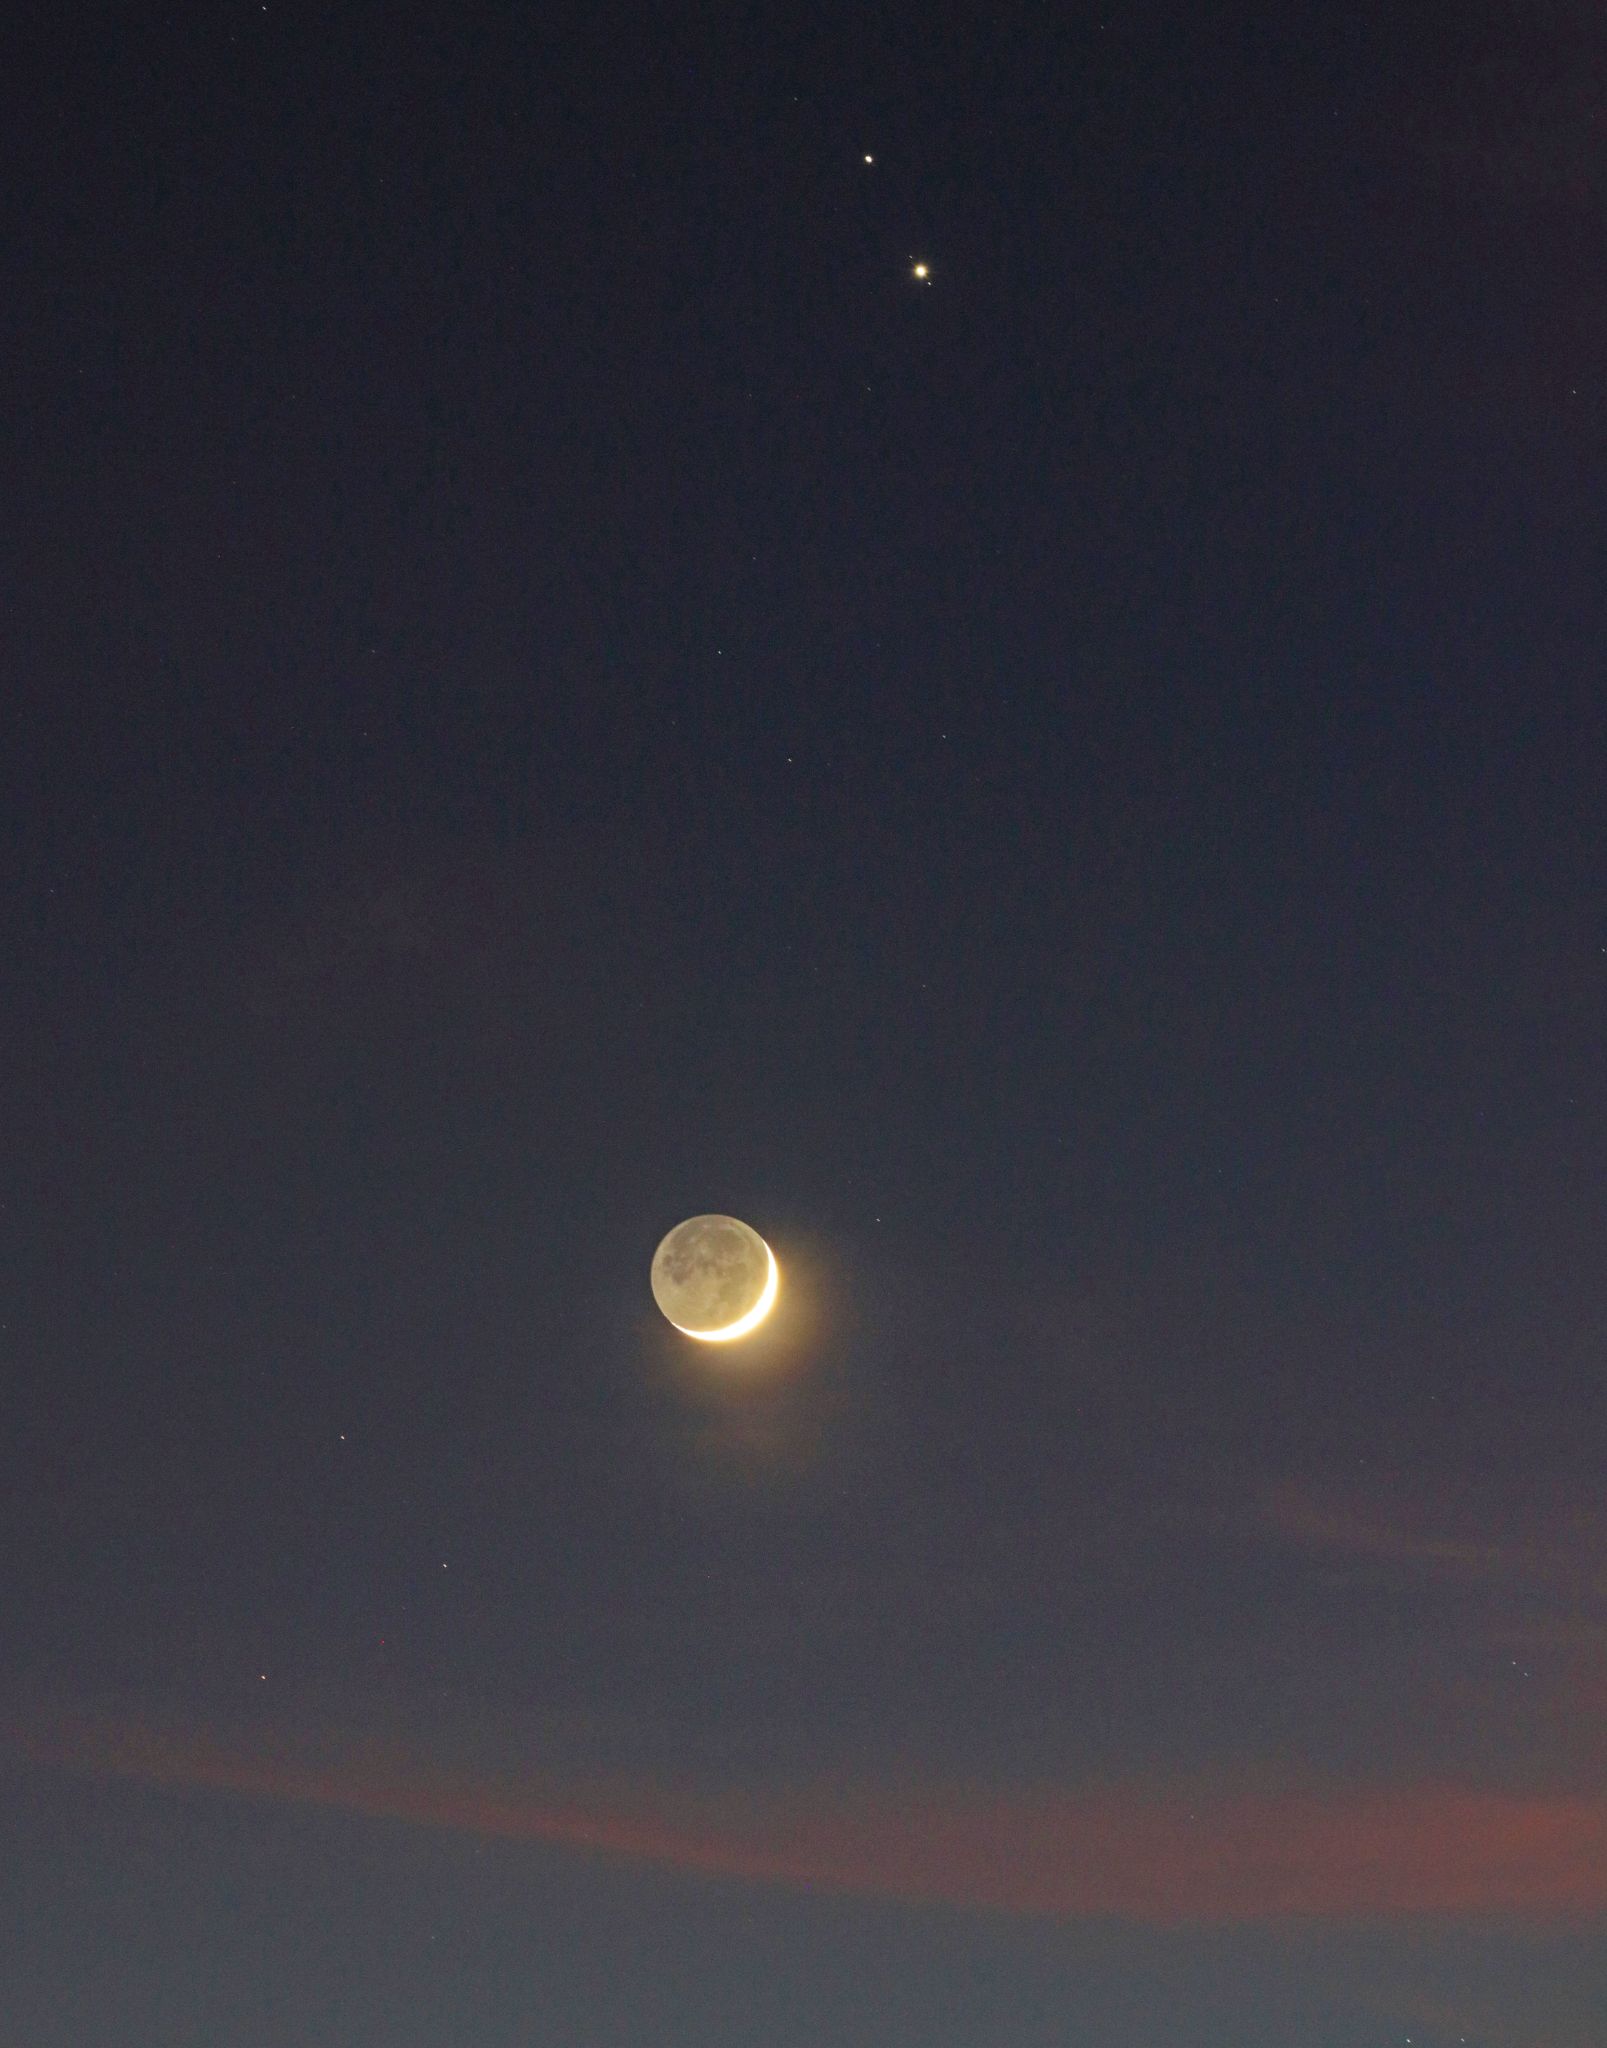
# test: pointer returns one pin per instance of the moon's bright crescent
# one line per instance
(744, 1323)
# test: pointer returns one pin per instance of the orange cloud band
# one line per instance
(1158, 1855)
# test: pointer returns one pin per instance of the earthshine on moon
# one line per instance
(714, 1278)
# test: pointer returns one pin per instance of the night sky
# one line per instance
(549, 683)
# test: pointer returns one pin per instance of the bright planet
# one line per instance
(715, 1278)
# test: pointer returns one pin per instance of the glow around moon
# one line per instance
(715, 1279)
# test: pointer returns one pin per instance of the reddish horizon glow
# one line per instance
(1163, 1854)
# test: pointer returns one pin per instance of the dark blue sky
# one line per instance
(551, 685)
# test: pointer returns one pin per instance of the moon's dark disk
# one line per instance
(714, 1278)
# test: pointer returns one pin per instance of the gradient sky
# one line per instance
(550, 685)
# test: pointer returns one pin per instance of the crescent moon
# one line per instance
(744, 1323)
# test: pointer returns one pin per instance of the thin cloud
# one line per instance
(1158, 1854)
(1552, 1545)
(1354, 1526)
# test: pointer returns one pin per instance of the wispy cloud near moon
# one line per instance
(1160, 1854)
